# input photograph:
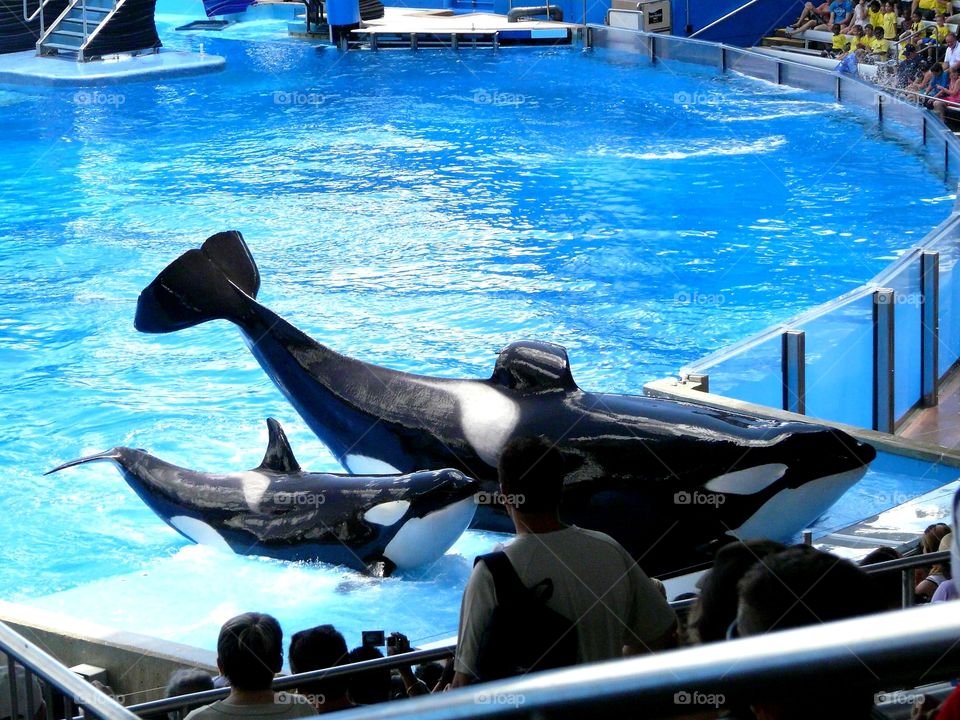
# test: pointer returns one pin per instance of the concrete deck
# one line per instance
(26, 68)
(938, 425)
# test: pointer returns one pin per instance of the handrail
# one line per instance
(721, 19)
(74, 688)
(415, 657)
(907, 563)
(887, 651)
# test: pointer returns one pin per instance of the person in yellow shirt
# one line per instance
(879, 47)
(874, 16)
(929, 8)
(889, 22)
(940, 30)
(839, 42)
(856, 38)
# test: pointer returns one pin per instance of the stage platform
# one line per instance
(27, 68)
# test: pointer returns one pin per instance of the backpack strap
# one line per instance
(507, 584)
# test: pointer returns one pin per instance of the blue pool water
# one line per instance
(415, 210)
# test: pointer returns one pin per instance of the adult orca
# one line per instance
(372, 523)
(668, 479)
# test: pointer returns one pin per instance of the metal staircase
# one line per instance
(71, 32)
(91, 29)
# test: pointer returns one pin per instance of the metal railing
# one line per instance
(38, 664)
(885, 652)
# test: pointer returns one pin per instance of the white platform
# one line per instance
(27, 68)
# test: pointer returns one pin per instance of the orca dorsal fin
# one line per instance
(279, 457)
(534, 366)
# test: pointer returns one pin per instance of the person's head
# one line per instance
(916, 17)
(936, 68)
(950, 40)
(889, 586)
(878, 32)
(315, 649)
(797, 587)
(910, 51)
(943, 568)
(250, 651)
(875, 6)
(930, 541)
(371, 686)
(429, 673)
(716, 606)
(531, 472)
(856, 31)
(836, 30)
(801, 586)
(941, 19)
(187, 681)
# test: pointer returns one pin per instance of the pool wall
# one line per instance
(872, 356)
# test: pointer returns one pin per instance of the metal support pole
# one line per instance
(907, 591)
(455, 41)
(496, 41)
(413, 41)
(12, 680)
(793, 367)
(702, 382)
(929, 327)
(883, 369)
(808, 537)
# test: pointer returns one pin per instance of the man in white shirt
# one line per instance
(249, 654)
(952, 57)
(616, 608)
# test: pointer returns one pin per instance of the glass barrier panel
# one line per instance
(753, 375)
(856, 93)
(801, 76)
(907, 305)
(949, 346)
(753, 65)
(671, 48)
(839, 369)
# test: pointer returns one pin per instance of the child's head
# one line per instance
(837, 29)
(856, 31)
(878, 32)
(916, 17)
(875, 6)
(868, 30)
(941, 19)
(936, 68)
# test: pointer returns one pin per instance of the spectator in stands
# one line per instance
(797, 587)
(951, 57)
(187, 681)
(939, 80)
(6, 706)
(413, 684)
(929, 8)
(939, 573)
(716, 606)
(950, 95)
(811, 12)
(371, 686)
(858, 18)
(319, 648)
(890, 22)
(856, 38)
(910, 68)
(850, 61)
(249, 654)
(879, 47)
(875, 14)
(889, 585)
(940, 30)
(915, 30)
(839, 42)
(929, 543)
(583, 566)
(839, 13)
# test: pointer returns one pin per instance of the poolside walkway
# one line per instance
(938, 425)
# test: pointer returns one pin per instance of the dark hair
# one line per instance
(250, 650)
(716, 606)
(315, 649)
(430, 673)
(531, 470)
(803, 586)
(371, 686)
(185, 682)
(889, 585)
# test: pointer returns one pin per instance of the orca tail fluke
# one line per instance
(211, 283)
(112, 455)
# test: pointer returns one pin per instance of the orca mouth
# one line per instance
(445, 494)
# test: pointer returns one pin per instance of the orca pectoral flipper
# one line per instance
(214, 282)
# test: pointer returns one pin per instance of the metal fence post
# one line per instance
(929, 327)
(793, 367)
(883, 303)
(702, 381)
